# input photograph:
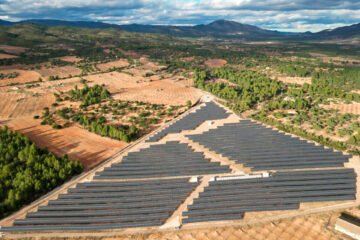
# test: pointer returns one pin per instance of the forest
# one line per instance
(27, 172)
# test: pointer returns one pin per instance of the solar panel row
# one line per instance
(262, 148)
(169, 159)
(210, 111)
(93, 206)
(224, 200)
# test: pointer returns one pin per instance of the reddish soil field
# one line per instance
(6, 56)
(72, 59)
(62, 72)
(89, 148)
(21, 104)
(215, 63)
(127, 87)
(25, 76)
(12, 49)
(114, 64)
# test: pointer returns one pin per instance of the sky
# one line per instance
(282, 15)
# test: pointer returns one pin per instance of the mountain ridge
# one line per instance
(218, 28)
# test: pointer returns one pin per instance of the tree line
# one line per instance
(27, 172)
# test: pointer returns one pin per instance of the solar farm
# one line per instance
(206, 168)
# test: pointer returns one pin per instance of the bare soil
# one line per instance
(7, 56)
(72, 59)
(132, 88)
(114, 64)
(215, 63)
(12, 49)
(86, 147)
(294, 80)
(353, 107)
(24, 102)
(25, 76)
(330, 59)
(20, 104)
(61, 72)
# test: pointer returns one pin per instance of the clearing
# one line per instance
(292, 80)
(71, 59)
(215, 63)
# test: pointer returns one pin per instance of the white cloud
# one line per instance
(289, 15)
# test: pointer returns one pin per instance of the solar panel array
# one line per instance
(262, 148)
(108, 205)
(121, 197)
(170, 159)
(210, 111)
(230, 199)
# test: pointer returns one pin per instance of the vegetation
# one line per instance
(250, 87)
(99, 113)
(27, 172)
(89, 95)
(9, 75)
(272, 100)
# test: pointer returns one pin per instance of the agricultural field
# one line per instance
(7, 56)
(135, 99)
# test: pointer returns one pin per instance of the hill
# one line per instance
(341, 32)
(219, 28)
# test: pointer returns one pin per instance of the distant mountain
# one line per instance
(85, 24)
(219, 28)
(233, 28)
(341, 32)
(3, 22)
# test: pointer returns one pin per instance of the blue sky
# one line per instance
(284, 15)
